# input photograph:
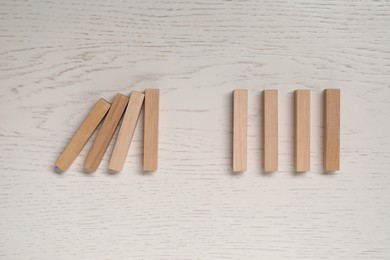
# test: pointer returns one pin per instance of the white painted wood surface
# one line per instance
(58, 57)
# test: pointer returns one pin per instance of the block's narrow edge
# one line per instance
(330, 166)
(298, 167)
(151, 165)
(114, 165)
(105, 106)
(270, 168)
(242, 167)
(89, 163)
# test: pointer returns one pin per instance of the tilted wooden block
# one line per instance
(152, 97)
(332, 130)
(126, 131)
(270, 130)
(240, 114)
(302, 130)
(106, 132)
(83, 134)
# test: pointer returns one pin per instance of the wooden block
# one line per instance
(151, 129)
(106, 132)
(240, 113)
(302, 130)
(270, 130)
(83, 134)
(126, 131)
(332, 130)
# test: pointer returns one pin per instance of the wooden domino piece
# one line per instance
(106, 132)
(151, 118)
(302, 130)
(126, 131)
(270, 130)
(83, 134)
(240, 114)
(332, 130)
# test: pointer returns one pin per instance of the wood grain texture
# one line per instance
(270, 130)
(106, 132)
(126, 132)
(151, 122)
(332, 130)
(58, 57)
(240, 122)
(302, 130)
(82, 135)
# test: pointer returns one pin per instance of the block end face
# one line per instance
(115, 167)
(89, 168)
(301, 169)
(103, 101)
(61, 167)
(270, 168)
(149, 169)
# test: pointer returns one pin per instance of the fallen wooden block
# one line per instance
(240, 113)
(151, 129)
(106, 132)
(270, 130)
(82, 135)
(332, 130)
(126, 131)
(302, 130)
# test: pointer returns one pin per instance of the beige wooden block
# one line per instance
(302, 130)
(126, 131)
(82, 135)
(240, 114)
(332, 130)
(270, 130)
(106, 132)
(151, 118)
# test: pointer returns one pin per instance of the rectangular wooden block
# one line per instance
(152, 97)
(332, 130)
(106, 132)
(126, 131)
(83, 134)
(302, 130)
(240, 114)
(270, 130)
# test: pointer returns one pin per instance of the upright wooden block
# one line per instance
(270, 130)
(83, 134)
(302, 130)
(151, 129)
(106, 132)
(332, 130)
(126, 131)
(240, 114)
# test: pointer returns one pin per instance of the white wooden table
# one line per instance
(58, 57)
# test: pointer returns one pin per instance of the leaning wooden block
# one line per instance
(126, 131)
(302, 130)
(83, 134)
(151, 129)
(106, 132)
(332, 130)
(270, 130)
(240, 113)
